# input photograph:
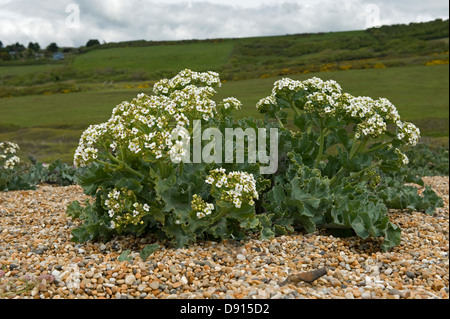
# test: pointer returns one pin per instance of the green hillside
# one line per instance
(45, 105)
(120, 65)
(158, 58)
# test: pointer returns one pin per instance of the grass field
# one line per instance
(48, 127)
(25, 69)
(201, 55)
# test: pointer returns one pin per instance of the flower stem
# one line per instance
(124, 165)
(376, 148)
(321, 145)
(279, 122)
(363, 171)
(336, 176)
(354, 148)
(295, 109)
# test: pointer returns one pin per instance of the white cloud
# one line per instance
(111, 21)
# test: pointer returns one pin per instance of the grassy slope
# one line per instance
(51, 125)
(25, 69)
(172, 57)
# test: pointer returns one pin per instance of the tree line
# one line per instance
(33, 50)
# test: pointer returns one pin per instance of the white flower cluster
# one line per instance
(185, 78)
(287, 84)
(201, 207)
(264, 103)
(403, 159)
(9, 148)
(145, 125)
(87, 150)
(372, 117)
(237, 187)
(375, 116)
(123, 209)
(318, 85)
(322, 103)
(6, 150)
(357, 107)
(387, 110)
(231, 103)
(11, 162)
(373, 126)
(408, 132)
(364, 110)
(317, 89)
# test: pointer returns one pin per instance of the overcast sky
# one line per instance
(74, 22)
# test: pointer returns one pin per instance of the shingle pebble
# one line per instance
(35, 245)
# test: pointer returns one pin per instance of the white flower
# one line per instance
(200, 215)
(404, 160)
(11, 162)
(408, 133)
(237, 186)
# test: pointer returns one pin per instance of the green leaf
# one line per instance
(219, 229)
(310, 194)
(130, 184)
(74, 209)
(392, 237)
(125, 256)
(148, 250)
(92, 177)
(333, 124)
(280, 230)
(79, 234)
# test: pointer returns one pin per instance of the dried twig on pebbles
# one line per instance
(308, 277)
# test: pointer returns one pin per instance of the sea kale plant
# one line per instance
(334, 151)
(15, 173)
(340, 157)
(23, 174)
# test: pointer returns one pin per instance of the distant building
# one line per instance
(58, 56)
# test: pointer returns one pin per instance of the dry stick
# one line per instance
(308, 277)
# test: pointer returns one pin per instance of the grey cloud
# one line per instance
(44, 21)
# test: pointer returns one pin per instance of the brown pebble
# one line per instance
(176, 284)
(437, 285)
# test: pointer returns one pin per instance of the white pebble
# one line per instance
(129, 280)
(366, 295)
(141, 287)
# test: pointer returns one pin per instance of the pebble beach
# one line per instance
(38, 260)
